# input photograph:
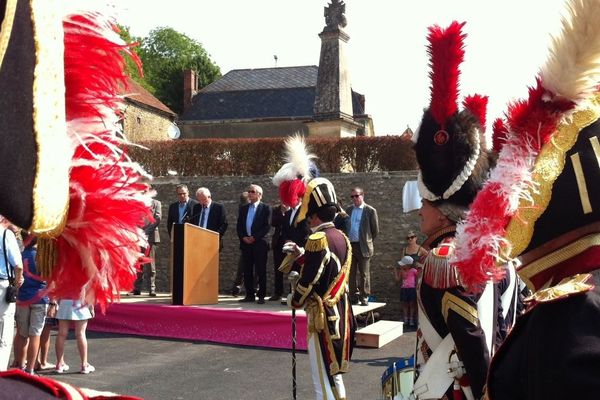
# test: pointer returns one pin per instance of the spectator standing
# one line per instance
(363, 228)
(252, 228)
(209, 214)
(50, 323)
(31, 308)
(10, 262)
(238, 280)
(73, 311)
(406, 276)
(277, 241)
(180, 211)
(413, 249)
(148, 271)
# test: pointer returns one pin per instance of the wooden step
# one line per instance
(379, 334)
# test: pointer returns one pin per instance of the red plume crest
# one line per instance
(446, 52)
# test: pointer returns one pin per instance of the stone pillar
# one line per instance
(333, 114)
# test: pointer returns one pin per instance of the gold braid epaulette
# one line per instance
(316, 242)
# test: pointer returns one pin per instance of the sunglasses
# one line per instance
(411, 237)
(251, 191)
(355, 196)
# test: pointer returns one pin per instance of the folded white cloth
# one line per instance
(411, 199)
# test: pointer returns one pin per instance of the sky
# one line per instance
(506, 44)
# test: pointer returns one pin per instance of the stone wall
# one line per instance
(143, 124)
(382, 190)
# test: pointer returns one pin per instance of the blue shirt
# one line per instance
(250, 217)
(182, 209)
(355, 218)
(32, 283)
(13, 254)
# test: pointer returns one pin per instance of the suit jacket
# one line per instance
(297, 233)
(368, 230)
(260, 225)
(277, 220)
(173, 216)
(150, 229)
(217, 217)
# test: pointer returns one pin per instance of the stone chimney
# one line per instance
(190, 87)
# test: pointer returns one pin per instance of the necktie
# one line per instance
(203, 217)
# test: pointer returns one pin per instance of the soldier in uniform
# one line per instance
(322, 290)
(456, 329)
(546, 217)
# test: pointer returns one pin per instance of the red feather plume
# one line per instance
(99, 248)
(477, 104)
(500, 130)
(446, 52)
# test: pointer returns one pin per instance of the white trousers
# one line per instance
(323, 390)
(7, 326)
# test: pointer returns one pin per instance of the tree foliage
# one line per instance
(165, 54)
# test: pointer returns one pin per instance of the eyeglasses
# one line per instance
(353, 196)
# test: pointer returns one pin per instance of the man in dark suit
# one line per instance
(181, 210)
(209, 214)
(149, 269)
(363, 227)
(252, 229)
(294, 231)
(277, 241)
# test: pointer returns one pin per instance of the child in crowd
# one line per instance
(73, 311)
(31, 309)
(406, 276)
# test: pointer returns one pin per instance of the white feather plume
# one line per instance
(572, 70)
(298, 161)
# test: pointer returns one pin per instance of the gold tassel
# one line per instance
(316, 242)
(46, 256)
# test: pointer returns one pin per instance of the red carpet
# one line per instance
(216, 324)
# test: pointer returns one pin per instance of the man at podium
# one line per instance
(209, 214)
(181, 210)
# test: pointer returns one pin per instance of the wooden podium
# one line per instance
(195, 265)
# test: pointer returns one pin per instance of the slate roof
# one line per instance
(285, 92)
(265, 78)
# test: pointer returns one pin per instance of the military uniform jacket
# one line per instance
(323, 291)
(553, 351)
(449, 310)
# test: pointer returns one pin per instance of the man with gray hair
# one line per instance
(252, 228)
(209, 214)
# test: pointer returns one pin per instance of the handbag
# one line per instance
(11, 290)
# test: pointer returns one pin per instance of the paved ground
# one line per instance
(157, 369)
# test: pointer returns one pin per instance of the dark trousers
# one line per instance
(278, 257)
(360, 268)
(148, 271)
(254, 258)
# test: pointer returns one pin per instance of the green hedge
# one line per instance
(222, 157)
